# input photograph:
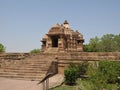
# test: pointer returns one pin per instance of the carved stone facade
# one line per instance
(61, 38)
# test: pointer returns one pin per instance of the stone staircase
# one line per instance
(34, 67)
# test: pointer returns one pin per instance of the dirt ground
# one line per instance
(13, 84)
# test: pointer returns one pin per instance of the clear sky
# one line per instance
(24, 22)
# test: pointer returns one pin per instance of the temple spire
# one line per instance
(66, 24)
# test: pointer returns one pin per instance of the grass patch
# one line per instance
(64, 88)
(85, 84)
(88, 85)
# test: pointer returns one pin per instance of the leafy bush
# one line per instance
(101, 74)
(82, 68)
(74, 71)
(110, 69)
(71, 74)
(106, 73)
(96, 78)
(35, 51)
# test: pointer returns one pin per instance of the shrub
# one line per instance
(74, 71)
(96, 78)
(106, 73)
(35, 51)
(82, 68)
(110, 69)
(71, 74)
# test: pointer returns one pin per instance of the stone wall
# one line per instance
(65, 59)
(90, 56)
(80, 56)
(61, 60)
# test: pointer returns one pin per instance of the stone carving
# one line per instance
(61, 38)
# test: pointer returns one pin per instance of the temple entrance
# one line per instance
(54, 41)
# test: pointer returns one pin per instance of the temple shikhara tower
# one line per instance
(61, 38)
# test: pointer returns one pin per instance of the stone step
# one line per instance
(37, 62)
(23, 77)
(33, 67)
(24, 71)
(27, 66)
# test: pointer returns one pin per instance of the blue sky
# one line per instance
(24, 22)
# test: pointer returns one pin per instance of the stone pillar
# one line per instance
(61, 44)
(49, 43)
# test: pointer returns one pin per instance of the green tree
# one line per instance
(35, 51)
(116, 42)
(107, 43)
(86, 48)
(2, 48)
(94, 43)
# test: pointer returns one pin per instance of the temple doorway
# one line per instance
(54, 41)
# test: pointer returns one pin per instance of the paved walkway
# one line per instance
(12, 84)
(56, 80)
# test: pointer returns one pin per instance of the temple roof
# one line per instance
(45, 36)
(55, 30)
(56, 25)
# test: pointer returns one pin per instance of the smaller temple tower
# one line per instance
(61, 38)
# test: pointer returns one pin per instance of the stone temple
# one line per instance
(61, 38)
